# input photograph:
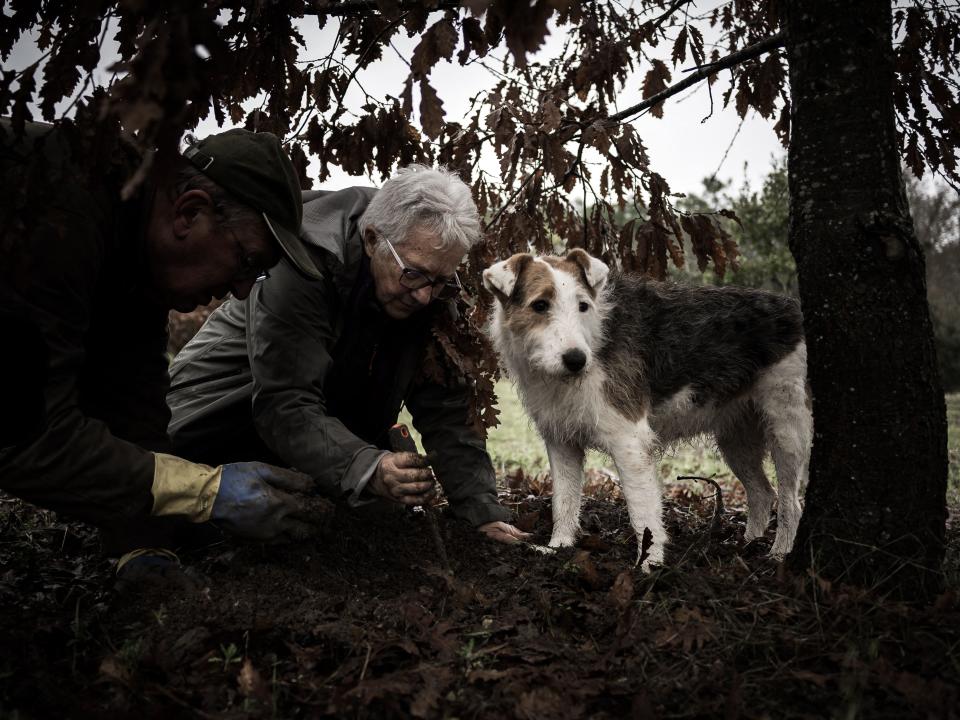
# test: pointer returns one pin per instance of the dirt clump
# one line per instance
(364, 622)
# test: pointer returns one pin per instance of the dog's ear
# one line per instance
(501, 277)
(595, 271)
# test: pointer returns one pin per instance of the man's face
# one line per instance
(201, 259)
(417, 252)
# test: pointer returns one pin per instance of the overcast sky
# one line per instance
(681, 148)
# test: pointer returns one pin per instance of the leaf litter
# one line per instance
(365, 622)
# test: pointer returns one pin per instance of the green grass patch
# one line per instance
(953, 446)
(515, 444)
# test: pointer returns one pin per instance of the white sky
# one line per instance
(681, 148)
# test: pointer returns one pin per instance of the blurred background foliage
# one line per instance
(765, 260)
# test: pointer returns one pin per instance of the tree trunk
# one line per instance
(875, 507)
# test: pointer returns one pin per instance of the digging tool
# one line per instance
(401, 441)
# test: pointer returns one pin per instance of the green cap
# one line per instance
(254, 169)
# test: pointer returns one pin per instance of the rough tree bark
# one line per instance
(875, 507)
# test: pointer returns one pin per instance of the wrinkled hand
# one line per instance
(257, 501)
(503, 532)
(404, 478)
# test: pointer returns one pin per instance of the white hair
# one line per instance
(435, 200)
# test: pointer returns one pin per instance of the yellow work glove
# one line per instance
(251, 500)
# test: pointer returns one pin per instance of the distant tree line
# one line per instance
(766, 262)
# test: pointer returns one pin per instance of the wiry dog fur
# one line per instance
(628, 366)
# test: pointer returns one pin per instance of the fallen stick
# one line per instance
(718, 500)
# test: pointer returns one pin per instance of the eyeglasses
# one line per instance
(441, 288)
(248, 268)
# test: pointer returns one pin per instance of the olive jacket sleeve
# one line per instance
(291, 331)
(75, 464)
(461, 462)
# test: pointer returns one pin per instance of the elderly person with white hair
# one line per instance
(312, 374)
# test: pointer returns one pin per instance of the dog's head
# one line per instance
(548, 313)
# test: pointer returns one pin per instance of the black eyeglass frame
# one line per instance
(247, 269)
(411, 279)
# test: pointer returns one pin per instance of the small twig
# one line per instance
(710, 94)
(513, 197)
(389, 28)
(366, 660)
(727, 151)
(666, 14)
(718, 500)
(585, 218)
(438, 543)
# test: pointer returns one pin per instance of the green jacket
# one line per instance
(72, 266)
(312, 374)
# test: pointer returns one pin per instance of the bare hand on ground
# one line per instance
(503, 532)
(404, 478)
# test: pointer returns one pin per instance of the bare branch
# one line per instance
(751, 51)
(365, 7)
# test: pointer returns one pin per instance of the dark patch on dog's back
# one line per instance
(661, 337)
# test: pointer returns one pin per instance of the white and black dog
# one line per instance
(628, 366)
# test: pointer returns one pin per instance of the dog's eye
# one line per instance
(584, 307)
(540, 306)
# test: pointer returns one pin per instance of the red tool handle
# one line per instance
(401, 440)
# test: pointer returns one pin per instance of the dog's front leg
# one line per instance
(633, 451)
(566, 470)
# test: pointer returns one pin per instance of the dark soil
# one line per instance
(364, 623)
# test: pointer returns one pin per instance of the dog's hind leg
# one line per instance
(782, 398)
(743, 447)
(566, 471)
(632, 448)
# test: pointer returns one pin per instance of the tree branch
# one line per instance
(510, 200)
(667, 13)
(365, 7)
(751, 51)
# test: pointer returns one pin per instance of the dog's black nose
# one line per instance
(574, 360)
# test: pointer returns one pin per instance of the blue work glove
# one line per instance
(262, 502)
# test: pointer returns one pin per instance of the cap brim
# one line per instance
(294, 249)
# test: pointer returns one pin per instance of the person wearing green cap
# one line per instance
(90, 277)
(312, 373)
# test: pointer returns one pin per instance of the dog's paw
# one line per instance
(781, 547)
(778, 553)
(542, 549)
(654, 558)
(560, 541)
